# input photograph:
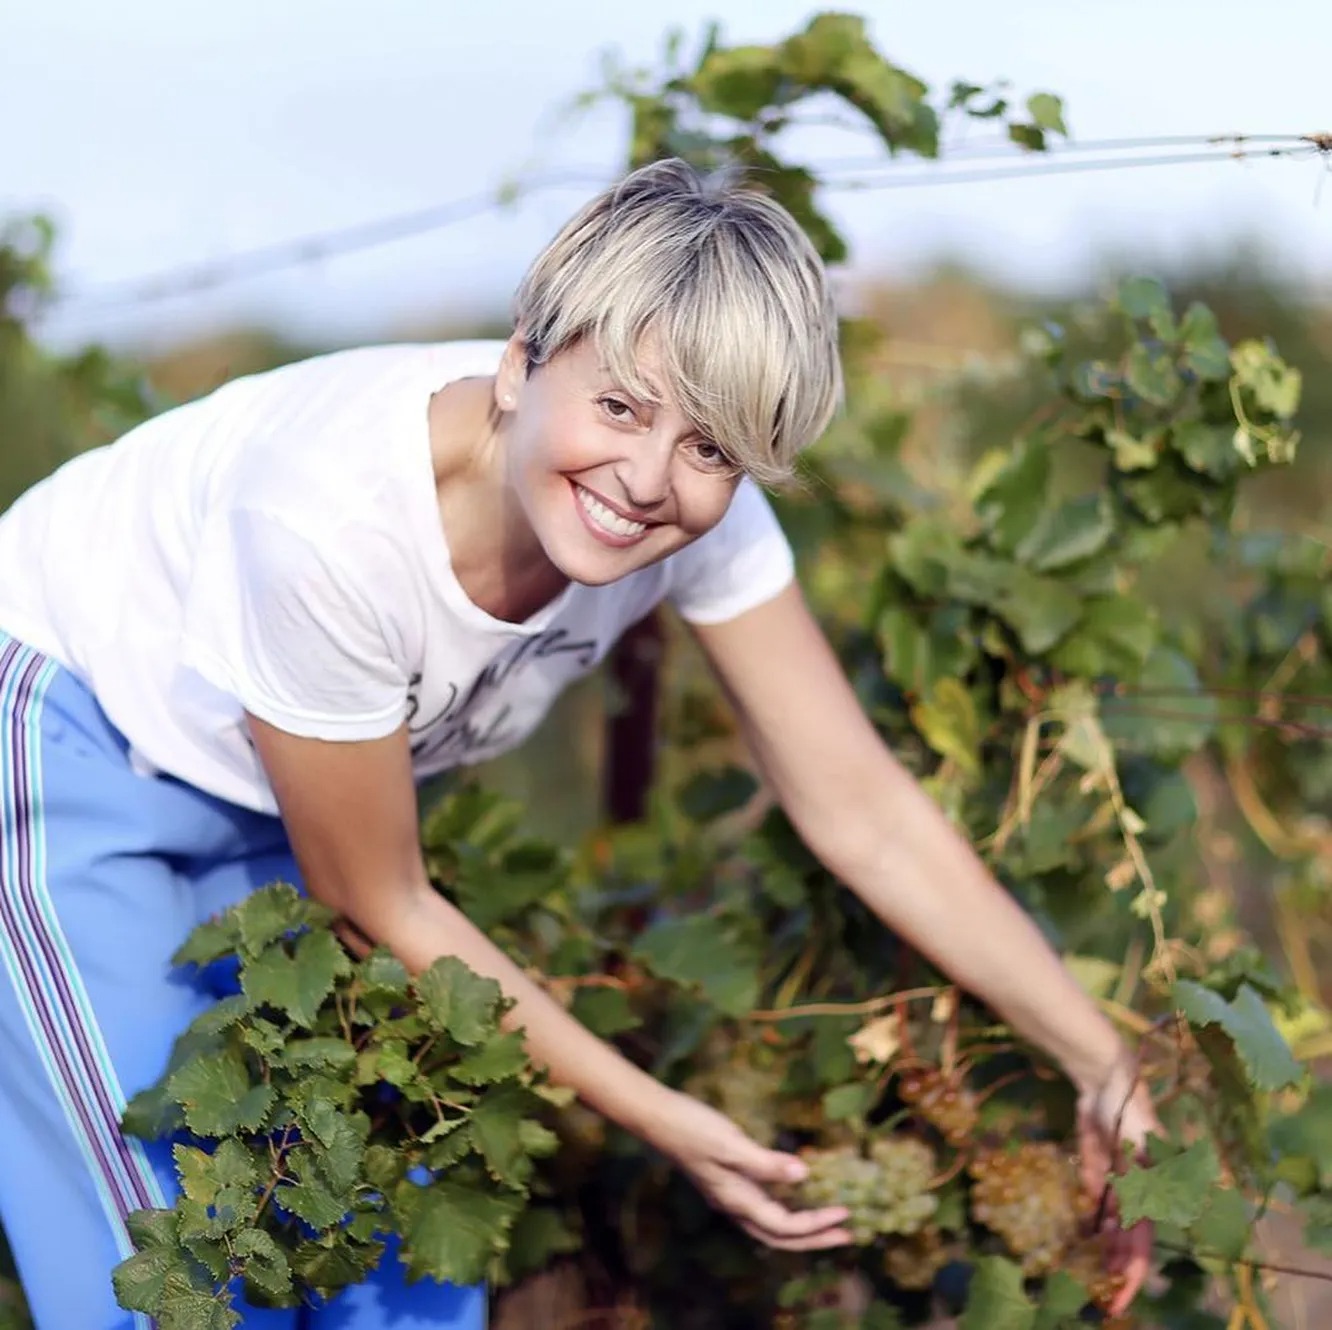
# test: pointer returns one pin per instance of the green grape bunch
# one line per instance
(888, 1191)
(1033, 1199)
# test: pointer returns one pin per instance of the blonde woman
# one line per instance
(233, 643)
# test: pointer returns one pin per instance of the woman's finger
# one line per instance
(1133, 1260)
(749, 1202)
(836, 1237)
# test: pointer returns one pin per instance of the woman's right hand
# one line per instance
(733, 1173)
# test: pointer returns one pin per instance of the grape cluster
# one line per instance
(750, 1096)
(950, 1108)
(1032, 1199)
(886, 1193)
(912, 1262)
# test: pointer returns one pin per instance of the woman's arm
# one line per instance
(350, 812)
(873, 826)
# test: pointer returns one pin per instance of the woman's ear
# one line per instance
(512, 373)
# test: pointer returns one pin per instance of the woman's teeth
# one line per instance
(611, 523)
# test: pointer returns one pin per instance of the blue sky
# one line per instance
(161, 134)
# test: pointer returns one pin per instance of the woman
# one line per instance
(249, 629)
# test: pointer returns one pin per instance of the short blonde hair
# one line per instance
(729, 287)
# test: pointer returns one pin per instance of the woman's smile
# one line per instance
(604, 522)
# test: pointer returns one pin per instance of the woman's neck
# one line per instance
(495, 554)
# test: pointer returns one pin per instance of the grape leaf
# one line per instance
(498, 1059)
(995, 1299)
(459, 1002)
(451, 1229)
(1265, 1054)
(497, 1131)
(701, 951)
(266, 1265)
(1173, 1190)
(605, 1011)
(330, 1265)
(297, 984)
(1224, 1226)
(218, 1096)
(709, 795)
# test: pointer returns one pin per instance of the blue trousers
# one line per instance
(103, 872)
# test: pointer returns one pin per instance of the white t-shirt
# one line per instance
(276, 547)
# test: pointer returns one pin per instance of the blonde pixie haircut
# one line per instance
(729, 288)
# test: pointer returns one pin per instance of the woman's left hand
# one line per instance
(1117, 1113)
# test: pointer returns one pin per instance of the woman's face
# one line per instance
(608, 483)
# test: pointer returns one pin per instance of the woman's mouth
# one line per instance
(606, 525)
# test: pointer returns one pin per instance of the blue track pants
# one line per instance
(103, 872)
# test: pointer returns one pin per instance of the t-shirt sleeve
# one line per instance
(287, 627)
(742, 562)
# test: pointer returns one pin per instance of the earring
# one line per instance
(507, 399)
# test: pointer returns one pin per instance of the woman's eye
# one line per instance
(616, 409)
(711, 457)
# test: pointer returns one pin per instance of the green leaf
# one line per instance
(708, 795)
(330, 1265)
(1265, 1054)
(218, 1096)
(383, 973)
(916, 655)
(297, 985)
(266, 1265)
(1114, 637)
(1009, 501)
(1039, 610)
(1172, 1191)
(498, 1059)
(321, 1054)
(1317, 1212)
(1170, 717)
(1132, 454)
(849, 1101)
(184, 1308)
(1224, 1228)
(1142, 297)
(459, 1002)
(702, 951)
(1152, 375)
(995, 1298)
(1206, 352)
(496, 1124)
(540, 1234)
(1275, 386)
(1062, 1299)
(605, 1011)
(451, 1229)
(142, 1281)
(311, 1198)
(209, 941)
(1207, 449)
(1047, 111)
(739, 82)
(1074, 531)
(1306, 1135)
(1030, 137)
(949, 723)
(270, 913)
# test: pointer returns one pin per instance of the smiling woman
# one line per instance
(234, 643)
